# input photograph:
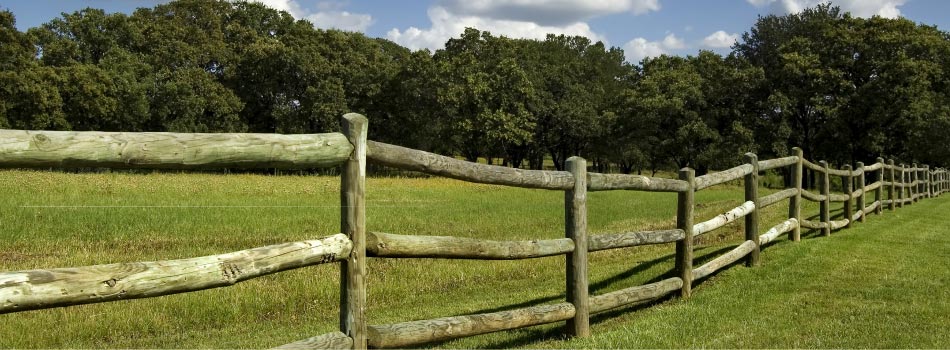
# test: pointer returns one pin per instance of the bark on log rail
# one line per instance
(387, 245)
(838, 197)
(873, 167)
(814, 197)
(856, 193)
(812, 224)
(777, 197)
(431, 163)
(627, 296)
(838, 224)
(808, 164)
(723, 260)
(777, 163)
(775, 231)
(723, 219)
(629, 239)
(31, 149)
(873, 186)
(722, 176)
(607, 182)
(838, 172)
(37, 289)
(334, 340)
(411, 333)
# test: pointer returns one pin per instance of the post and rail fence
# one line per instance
(351, 151)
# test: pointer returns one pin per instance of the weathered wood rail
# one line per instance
(893, 187)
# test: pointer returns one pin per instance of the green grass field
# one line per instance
(881, 284)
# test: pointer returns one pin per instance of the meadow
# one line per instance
(879, 284)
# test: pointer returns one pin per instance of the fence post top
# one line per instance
(859, 164)
(823, 163)
(576, 159)
(355, 118)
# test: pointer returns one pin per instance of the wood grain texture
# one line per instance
(724, 260)
(335, 340)
(838, 197)
(795, 202)
(430, 163)
(387, 245)
(407, 334)
(812, 196)
(723, 219)
(890, 185)
(722, 176)
(777, 163)
(860, 192)
(606, 241)
(353, 225)
(775, 231)
(873, 186)
(824, 207)
(776, 197)
(838, 224)
(847, 186)
(38, 289)
(575, 227)
(609, 182)
(164, 150)
(751, 227)
(685, 205)
(876, 166)
(812, 166)
(632, 295)
(811, 224)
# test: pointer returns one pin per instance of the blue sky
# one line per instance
(641, 27)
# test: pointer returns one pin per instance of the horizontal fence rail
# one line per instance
(165, 150)
(894, 186)
(37, 289)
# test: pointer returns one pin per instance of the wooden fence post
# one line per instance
(928, 187)
(795, 202)
(825, 213)
(892, 187)
(879, 193)
(684, 221)
(861, 184)
(353, 225)
(752, 220)
(901, 189)
(575, 224)
(847, 186)
(914, 177)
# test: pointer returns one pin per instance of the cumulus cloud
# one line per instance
(328, 14)
(531, 19)
(341, 20)
(720, 39)
(547, 12)
(859, 8)
(638, 49)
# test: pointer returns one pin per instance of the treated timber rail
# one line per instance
(894, 186)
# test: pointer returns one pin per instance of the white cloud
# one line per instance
(328, 15)
(547, 12)
(446, 25)
(638, 49)
(859, 8)
(720, 39)
(341, 20)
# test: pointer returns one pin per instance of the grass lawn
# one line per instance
(880, 284)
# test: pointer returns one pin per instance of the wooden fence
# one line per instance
(36, 289)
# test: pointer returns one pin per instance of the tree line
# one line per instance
(844, 89)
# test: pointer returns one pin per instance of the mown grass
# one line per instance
(59, 220)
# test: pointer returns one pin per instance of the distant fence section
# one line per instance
(894, 187)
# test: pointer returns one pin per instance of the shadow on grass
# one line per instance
(530, 335)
